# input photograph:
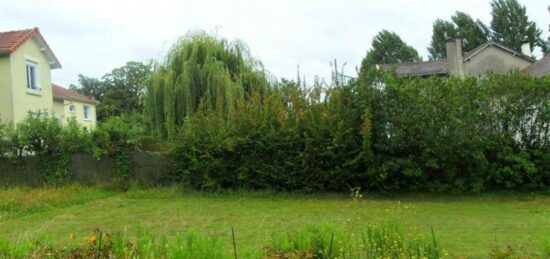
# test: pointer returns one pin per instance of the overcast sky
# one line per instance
(93, 37)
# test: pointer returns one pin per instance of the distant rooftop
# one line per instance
(61, 93)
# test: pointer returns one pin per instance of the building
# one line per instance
(490, 57)
(26, 62)
(541, 67)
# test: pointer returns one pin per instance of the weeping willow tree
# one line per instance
(201, 73)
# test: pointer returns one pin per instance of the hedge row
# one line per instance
(43, 136)
(436, 134)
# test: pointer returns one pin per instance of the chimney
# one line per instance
(455, 59)
(526, 47)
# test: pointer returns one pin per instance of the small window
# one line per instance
(32, 76)
(87, 112)
(72, 108)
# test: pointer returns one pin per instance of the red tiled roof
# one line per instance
(10, 41)
(70, 95)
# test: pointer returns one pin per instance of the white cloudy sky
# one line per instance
(93, 37)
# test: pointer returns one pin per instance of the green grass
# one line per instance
(465, 225)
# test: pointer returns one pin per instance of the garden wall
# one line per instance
(86, 169)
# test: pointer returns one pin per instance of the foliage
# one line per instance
(124, 90)
(97, 244)
(462, 25)
(89, 86)
(389, 48)
(511, 25)
(289, 140)
(436, 134)
(442, 31)
(201, 72)
(119, 92)
(118, 137)
(386, 240)
(42, 136)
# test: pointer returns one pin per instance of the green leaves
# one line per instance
(389, 48)
(462, 25)
(435, 134)
(119, 92)
(511, 26)
(201, 73)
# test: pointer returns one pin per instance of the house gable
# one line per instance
(69, 104)
(24, 99)
(493, 58)
(11, 41)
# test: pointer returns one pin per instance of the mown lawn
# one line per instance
(465, 225)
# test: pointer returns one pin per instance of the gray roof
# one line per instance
(540, 68)
(425, 68)
(440, 67)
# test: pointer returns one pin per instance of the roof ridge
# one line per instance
(479, 48)
(30, 29)
(417, 62)
(24, 38)
(76, 96)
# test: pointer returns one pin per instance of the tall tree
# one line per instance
(124, 88)
(462, 25)
(511, 26)
(89, 86)
(474, 33)
(119, 92)
(442, 31)
(200, 73)
(388, 48)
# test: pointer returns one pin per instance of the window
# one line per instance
(87, 112)
(72, 108)
(32, 76)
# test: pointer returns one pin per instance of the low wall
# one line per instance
(86, 169)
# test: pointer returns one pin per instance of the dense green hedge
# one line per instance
(436, 134)
(41, 135)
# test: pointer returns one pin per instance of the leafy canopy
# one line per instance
(388, 48)
(119, 92)
(200, 73)
(511, 26)
(462, 26)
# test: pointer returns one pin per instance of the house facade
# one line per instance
(491, 57)
(26, 86)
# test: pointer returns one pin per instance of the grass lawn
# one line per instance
(464, 225)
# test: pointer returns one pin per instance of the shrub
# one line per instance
(434, 134)
(118, 137)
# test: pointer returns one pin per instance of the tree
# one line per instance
(387, 48)
(442, 31)
(89, 86)
(119, 92)
(462, 25)
(124, 89)
(201, 73)
(511, 26)
(474, 33)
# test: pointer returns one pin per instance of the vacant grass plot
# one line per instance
(464, 225)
